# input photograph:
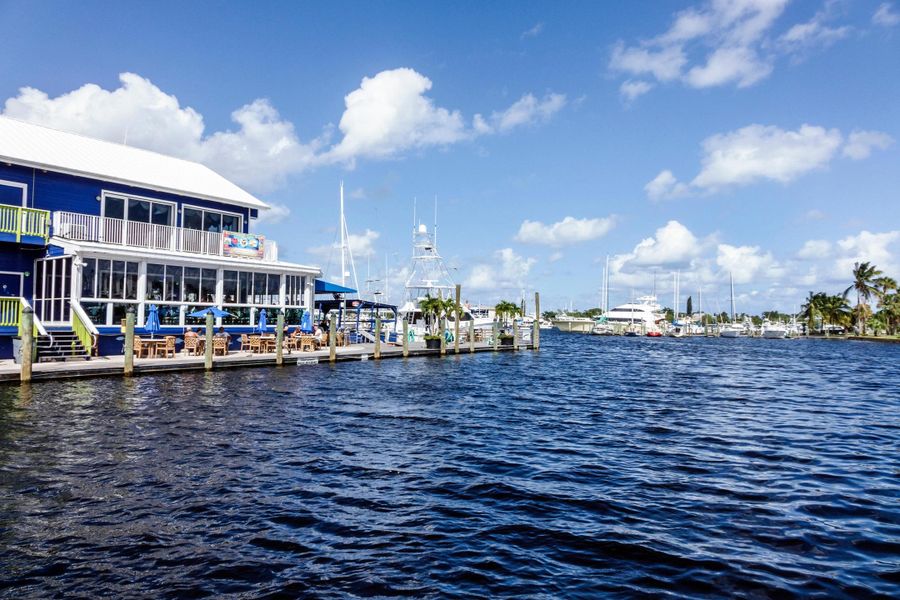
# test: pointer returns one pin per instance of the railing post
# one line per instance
(377, 336)
(279, 339)
(27, 344)
(443, 335)
(536, 336)
(472, 336)
(208, 350)
(456, 321)
(496, 334)
(129, 342)
(332, 338)
(405, 338)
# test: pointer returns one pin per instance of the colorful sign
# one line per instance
(242, 245)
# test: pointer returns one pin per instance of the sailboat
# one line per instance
(733, 329)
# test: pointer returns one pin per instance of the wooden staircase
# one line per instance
(61, 345)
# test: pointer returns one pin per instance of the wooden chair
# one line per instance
(245, 343)
(307, 343)
(141, 349)
(191, 344)
(220, 345)
(255, 343)
(169, 348)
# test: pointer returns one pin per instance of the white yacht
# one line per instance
(734, 329)
(570, 324)
(774, 330)
(643, 315)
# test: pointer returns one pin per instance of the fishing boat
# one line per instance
(774, 330)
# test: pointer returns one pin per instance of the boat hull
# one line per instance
(574, 325)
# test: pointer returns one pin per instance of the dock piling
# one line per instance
(456, 320)
(472, 336)
(279, 340)
(536, 336)
(208, 350)
(129, 342)
(496, 335)
(27, 344)
(377, 336)
(332, 338)
(443, 335)
(405, 338)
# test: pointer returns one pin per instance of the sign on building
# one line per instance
(242, 245)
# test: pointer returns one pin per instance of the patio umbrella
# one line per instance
(306, 322)
(261, 326)
(216, 312)
(152, 324)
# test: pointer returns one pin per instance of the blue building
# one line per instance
(89, 229)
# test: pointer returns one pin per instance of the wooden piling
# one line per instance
(377, 336)
(496, 334)
(208, 350)
(279, 339)
(515, 332)
(332, 338)
(129, 342)
(456, 321)
(405, 338)
(443, 333)
(27, 344)
(472, 336)
(536, 336)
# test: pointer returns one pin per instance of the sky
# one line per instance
(747, 138)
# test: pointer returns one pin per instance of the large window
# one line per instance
(210, 220)
(170, 283)
(110, 279)
(294, 286)
(139, 210)
(241, 287)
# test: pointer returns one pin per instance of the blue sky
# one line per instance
(754, 137)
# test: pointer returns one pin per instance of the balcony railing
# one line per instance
(118, 232)
(28, 222)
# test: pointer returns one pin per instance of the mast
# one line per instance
(606, 307)
(731, 275)
(343, 240)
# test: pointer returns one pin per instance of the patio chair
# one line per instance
(141, 349)
(220, 345)
(255, 343)
(245, 343)
(191, 345)
(169, 348)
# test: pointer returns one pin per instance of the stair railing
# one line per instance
(83, 327)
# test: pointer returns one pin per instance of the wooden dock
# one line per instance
(108, 366)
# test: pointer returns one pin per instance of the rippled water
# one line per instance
(599, 466)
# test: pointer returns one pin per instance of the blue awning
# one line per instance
(326, 287)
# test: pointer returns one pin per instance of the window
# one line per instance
(294, 286)
(96, 312)
(208, 285)
(259, 288)
(89, 278)
(191, 284)
(229, 287)
(169, 314)
(104, 270)
(273, 289)
(118, 279)
(139, 210)
(210, 220)
(131, 281)
(155, 281)
(245, 291)
(13, 193)
(240, 316)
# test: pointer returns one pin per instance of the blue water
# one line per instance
(596, 467)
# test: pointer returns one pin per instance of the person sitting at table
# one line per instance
(189, 332)
(223, 334)
(296, 332)
(318, 334)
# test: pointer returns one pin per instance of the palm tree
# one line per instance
(836, 310)
(890, 312)
(863, 276)
(812, 310)
(432, 308)
(505, 309)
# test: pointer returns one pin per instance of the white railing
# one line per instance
(91, 228)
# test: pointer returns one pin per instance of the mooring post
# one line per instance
(332, 338)
(377, 336)
(27, 344)
(472, 336)
(456, 321)
(405, 338)
(496, 334)
(443, 335)
(129, 342)
(536, 336)
(279, 339)
(208, 348)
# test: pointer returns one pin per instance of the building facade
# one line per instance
(89, 229)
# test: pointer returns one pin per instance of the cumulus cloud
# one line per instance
(885, 15)
(507, 271)
(362, 245)
(533, 31)
(815, 249)
(631, 89)
(721, 42)
(389, 114)
(568, 231)
(878, 248)
(672, 244)
(861, 143)
(757, 152)
(747, 263)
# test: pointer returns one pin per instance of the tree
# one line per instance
(812, 309)
(836, 310)
(506, 310)
(863, 276)
(432, 308)
(689, 309)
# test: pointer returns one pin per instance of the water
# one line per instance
(599, 466)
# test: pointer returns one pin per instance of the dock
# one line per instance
(111, 366)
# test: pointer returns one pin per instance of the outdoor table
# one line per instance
(307, 343)
(154, 346)
(267, 343)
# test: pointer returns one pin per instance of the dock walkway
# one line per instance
(105, 366)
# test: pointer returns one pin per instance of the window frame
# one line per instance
(173, 214)
(203, 212)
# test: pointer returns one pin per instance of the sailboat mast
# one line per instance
(606, 307)
(731, 275)
(343, 240)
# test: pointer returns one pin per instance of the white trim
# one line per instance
(21, 280)
(127, 197)
(24, 187)
(201, 209)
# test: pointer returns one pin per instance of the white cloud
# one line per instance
(362, 245)
(275, 214)
(860, 143)
(758, 152)
(885, 16)
(533, 32)
(868, 247)
(568, 231)
(259, 155)
(815, 249)
(722, 42)
(555, 257)
(527, 110)
(631, 89)
(387, 115)
(747, 263)
(814, 214)
(665, 185)
(508, 271)
(672, 244)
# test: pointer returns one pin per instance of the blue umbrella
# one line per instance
(261, 326)
(152, 324)
(306, 322)
(215, 311)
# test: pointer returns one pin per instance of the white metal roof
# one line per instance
(45, 148)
